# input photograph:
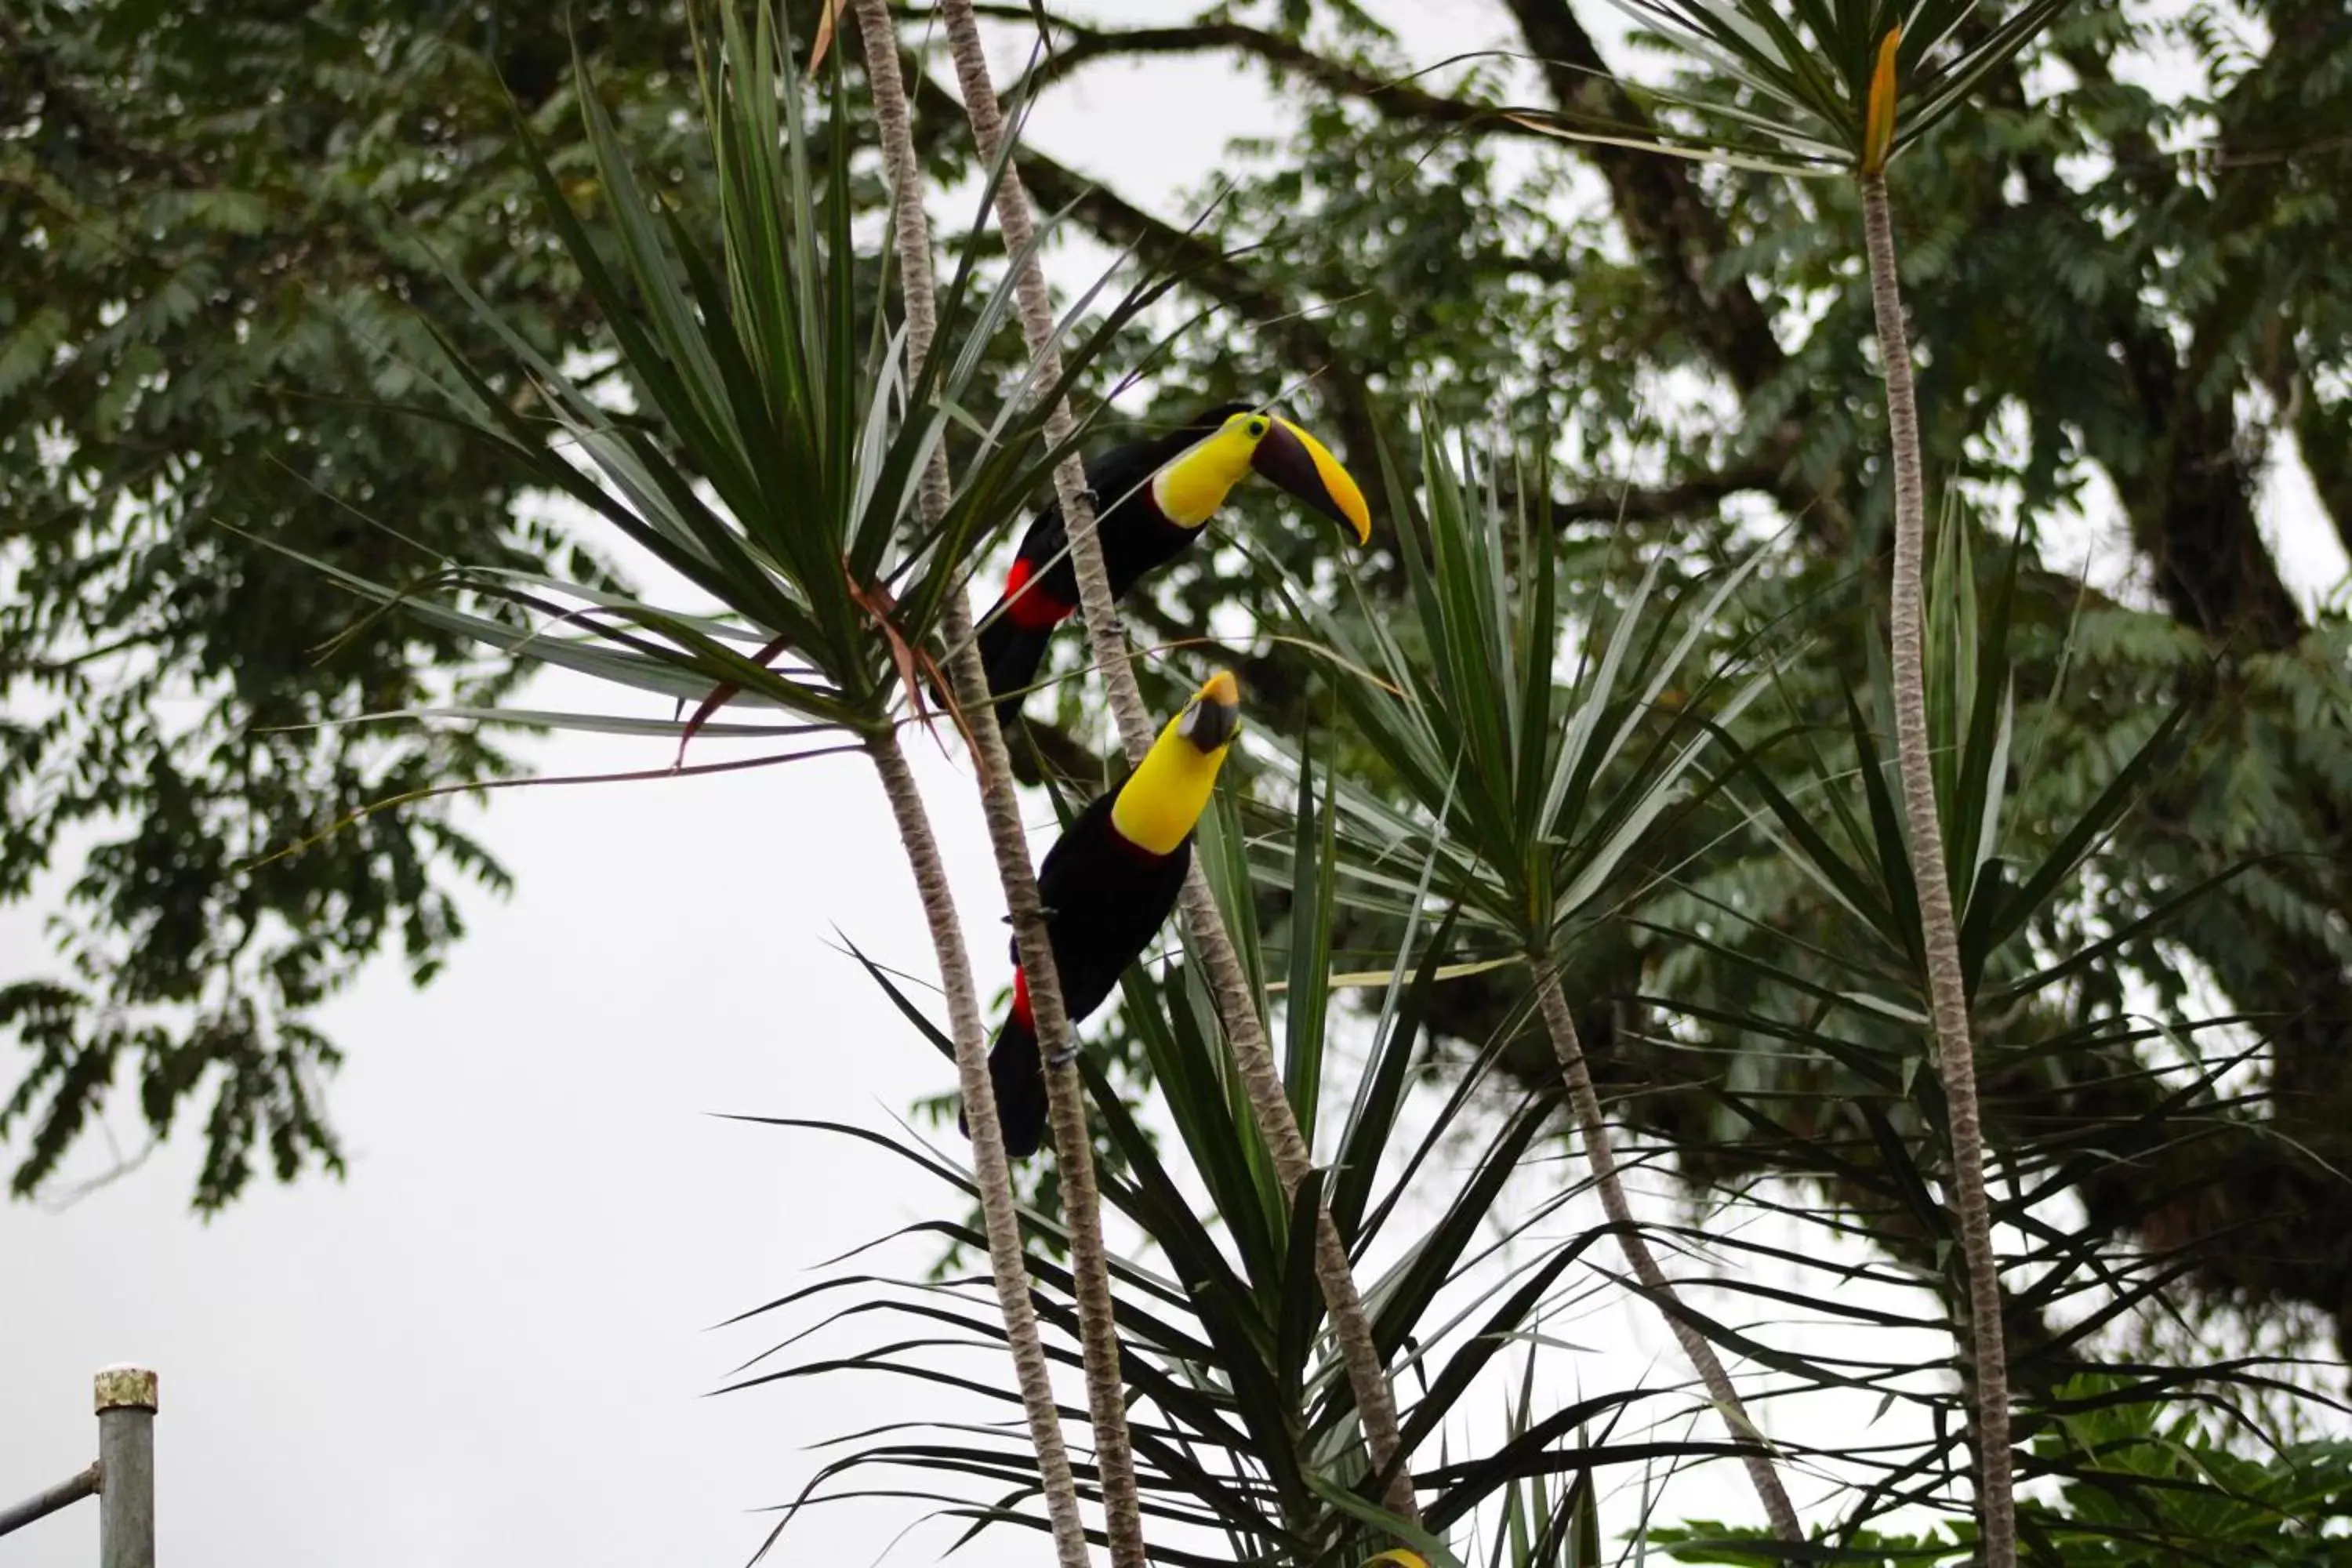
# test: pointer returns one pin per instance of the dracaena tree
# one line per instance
(1522, 811)
(1838, 88)
(819, 481)
(1246, 1427)
(1550, 775)
(799, 478)
(788, 465)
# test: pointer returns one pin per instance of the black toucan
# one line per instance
(1107, 884)
(1153, 496)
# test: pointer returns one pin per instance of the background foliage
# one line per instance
(2129, 268)
(226, 230)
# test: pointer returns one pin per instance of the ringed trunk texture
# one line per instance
(1948, 992)
(1584, 1102)
(1007, 1263)
(1351, 1327)
(1089, 1269)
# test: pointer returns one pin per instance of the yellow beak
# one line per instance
(1305, 467)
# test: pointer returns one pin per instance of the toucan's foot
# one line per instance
(1063, 1059)
(1093, 497)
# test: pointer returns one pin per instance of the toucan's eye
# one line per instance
(1257, 426)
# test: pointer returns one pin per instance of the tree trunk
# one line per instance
(1585, 1102)
(1074, 1147)
(993, 1173)
(1939, 930)
(1351, 1327)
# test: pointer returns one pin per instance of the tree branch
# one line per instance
(1008, 1264)
(1656, 200)
(1760, 475)
(1391, 97)
(1662, 212)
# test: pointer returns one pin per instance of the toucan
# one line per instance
(1107, 884)
(1153, 496)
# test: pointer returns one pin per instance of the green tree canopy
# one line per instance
(215, 225)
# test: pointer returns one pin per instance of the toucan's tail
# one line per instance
(1019, 1078)
(1011, 654)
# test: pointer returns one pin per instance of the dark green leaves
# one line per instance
(1857, 857)
(1804, 74)
(1529, 800)
(773, 456)
(1244, 1418)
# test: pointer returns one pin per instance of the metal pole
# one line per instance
(63, 1495)
(126, 1467)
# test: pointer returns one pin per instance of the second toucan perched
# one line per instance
(1152, 497)
(1107, 884)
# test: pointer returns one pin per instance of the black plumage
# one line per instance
(1042, 588)
(1105, 899)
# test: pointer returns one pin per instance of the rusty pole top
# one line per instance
(125, 1387)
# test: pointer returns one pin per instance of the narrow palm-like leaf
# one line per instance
(1805, 75)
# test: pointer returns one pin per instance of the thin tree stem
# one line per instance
(1065, 1098)
(1939, 929)
(1351, 1326)
(999, 1215)
(1001, 806)
(1584, 1103)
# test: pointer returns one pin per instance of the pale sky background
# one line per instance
(488, 1346)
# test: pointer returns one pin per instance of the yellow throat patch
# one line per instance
(1189, 490)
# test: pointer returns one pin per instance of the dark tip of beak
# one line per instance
(1216, 719)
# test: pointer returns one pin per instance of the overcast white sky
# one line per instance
(486, 1347)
